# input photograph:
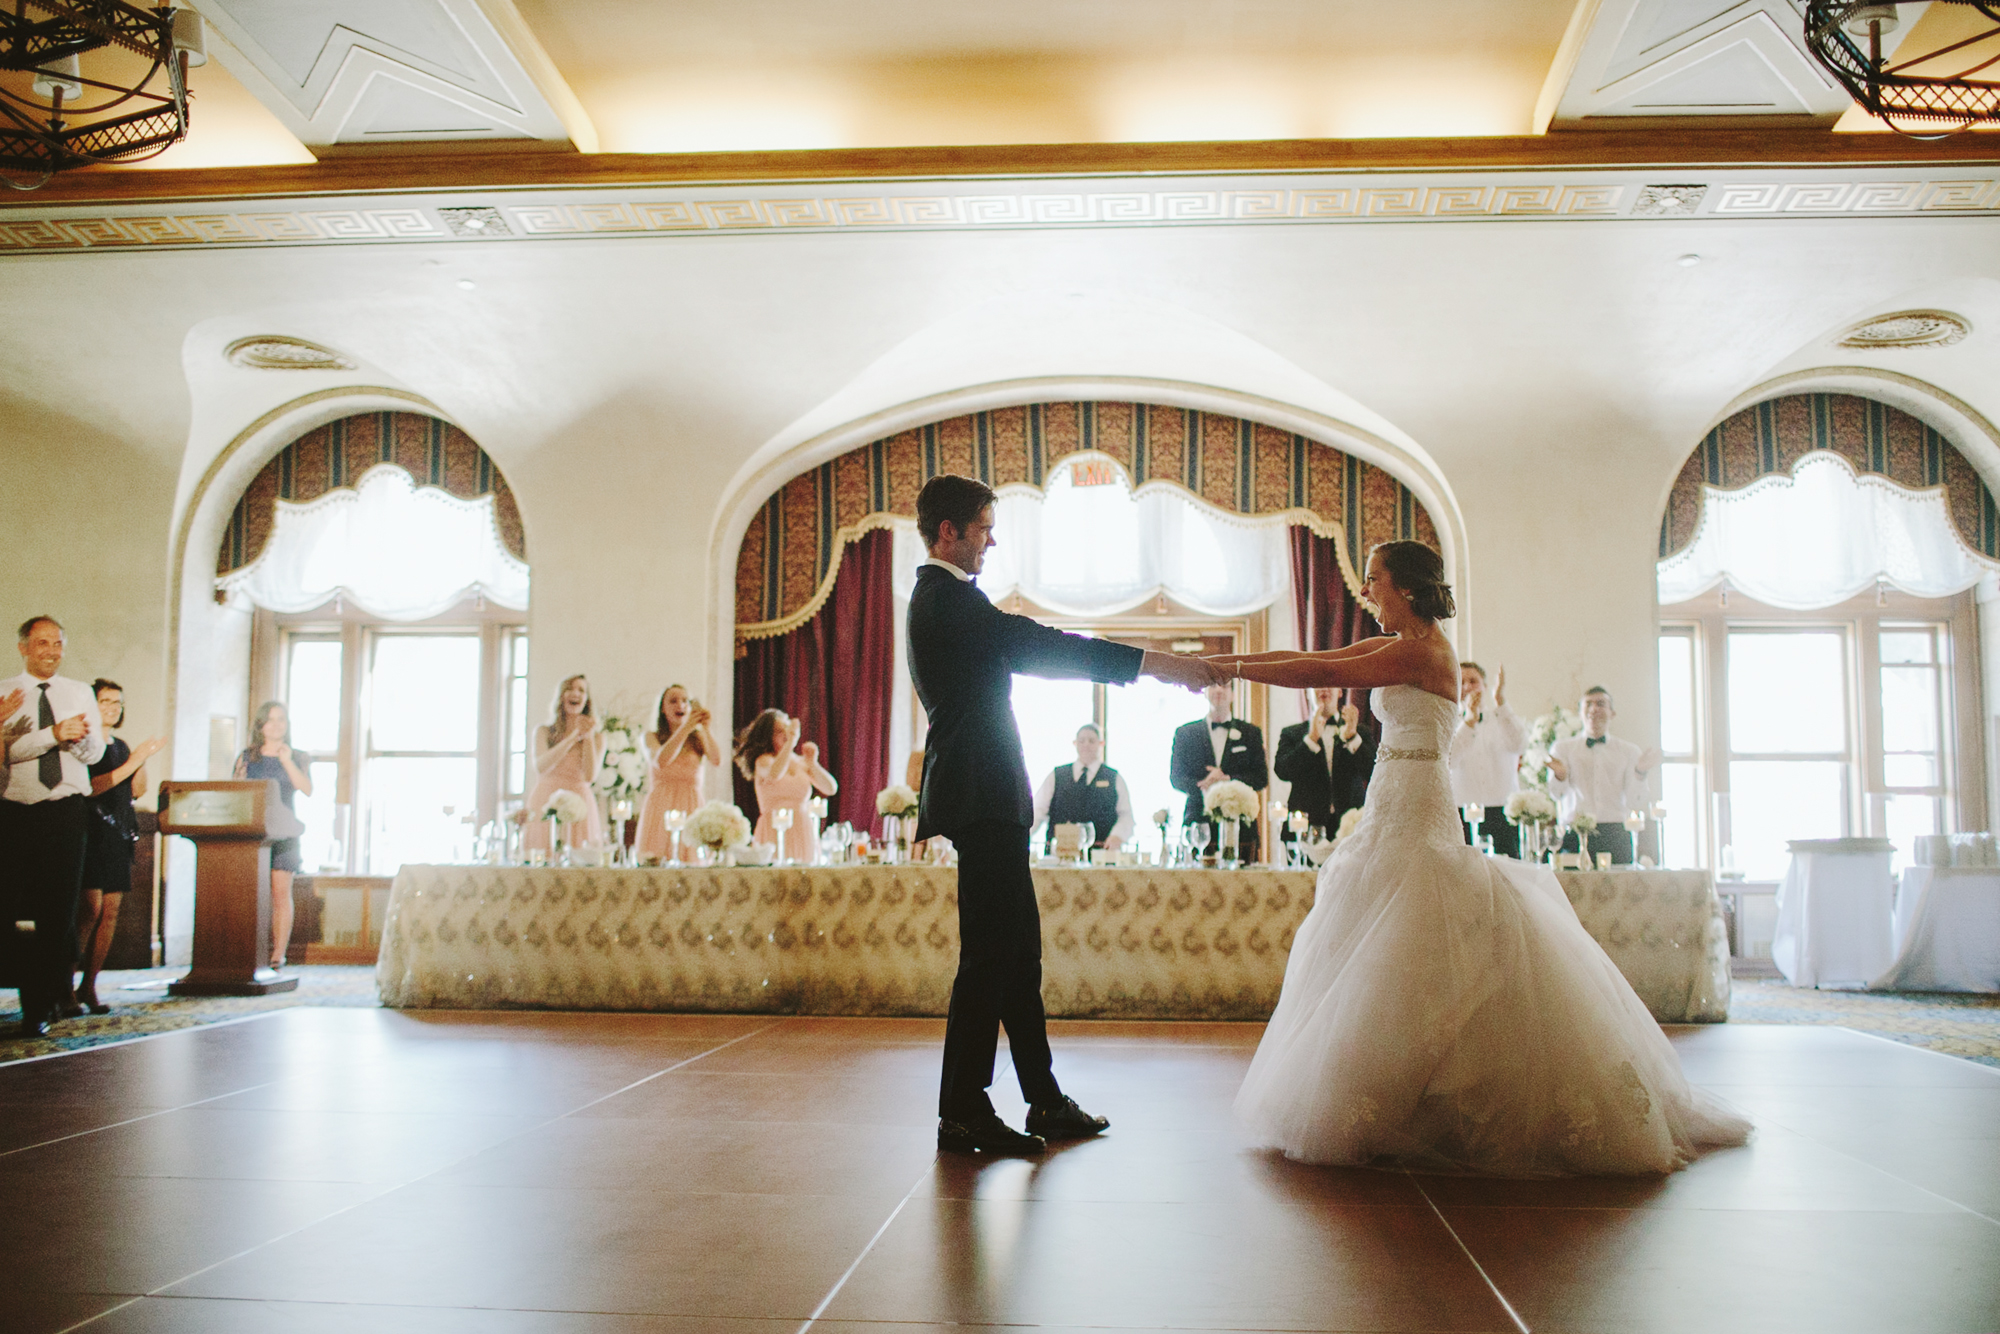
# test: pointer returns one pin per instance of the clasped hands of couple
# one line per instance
(1188, 670)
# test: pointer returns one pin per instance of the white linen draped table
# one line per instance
(1141, 943)
(1836, 913)
(1947, 931)
(1665, 931)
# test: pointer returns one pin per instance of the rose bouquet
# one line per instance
(1231, 800)
(897, 799)
(1543, 733)
(1584, 825)
(1349, 821)
(717, 825)
(1531, 806)
(565, 807)
(623, 773)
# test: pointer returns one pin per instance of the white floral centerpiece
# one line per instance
(1349, 822)
(623, 773)
(565, 807)
(897, 799)
(1231, 799)
(717, 826)
(1531, 806)
(1543, 733)
(1584, 824)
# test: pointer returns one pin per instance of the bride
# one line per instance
(1443, 1010)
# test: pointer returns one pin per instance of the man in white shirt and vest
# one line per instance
(1601, 776)
(1485, 755)
(1087, 792)
(53, 733)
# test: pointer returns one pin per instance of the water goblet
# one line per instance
(1198, 840)
(1086, 838)
(676, 821)
(1298, 822)
(781, 821)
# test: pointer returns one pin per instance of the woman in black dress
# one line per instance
(113, 832)
(271, 757)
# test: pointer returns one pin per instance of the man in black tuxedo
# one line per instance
(1327, 759)
(1210, 749)
(964, 652)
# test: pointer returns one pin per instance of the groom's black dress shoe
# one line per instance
(1065, 1120)
(987, 1135)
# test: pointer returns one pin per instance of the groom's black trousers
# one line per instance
(999, 974)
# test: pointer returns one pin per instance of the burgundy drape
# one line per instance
(1326, 613)
(835, 673)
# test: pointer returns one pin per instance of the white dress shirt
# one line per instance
(1082, 774)
(1331, 731)
(1604, 780)
(1485, 758)
(956, 573)
(28, 740)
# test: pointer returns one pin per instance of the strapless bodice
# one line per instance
(1414, 721)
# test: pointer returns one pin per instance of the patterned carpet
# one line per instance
(140, 1007)
(1958, 1025)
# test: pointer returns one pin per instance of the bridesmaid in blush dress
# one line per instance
(567, 754)
(785, 772)
(677, 748)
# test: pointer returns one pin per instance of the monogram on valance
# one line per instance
(792, 550)
(335, 456)
(1771, 438)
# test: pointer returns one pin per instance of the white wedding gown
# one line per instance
(1446, 1011)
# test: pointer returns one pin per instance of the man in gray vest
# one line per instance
(1087, 792)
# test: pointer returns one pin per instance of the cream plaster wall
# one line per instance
(1545, 380)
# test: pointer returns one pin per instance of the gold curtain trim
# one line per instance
(841, 538)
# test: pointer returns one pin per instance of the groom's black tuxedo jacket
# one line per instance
(964, 652)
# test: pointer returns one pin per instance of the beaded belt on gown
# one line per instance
(1392, 753)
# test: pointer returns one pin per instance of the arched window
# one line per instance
(382, 561)
(1817, 562)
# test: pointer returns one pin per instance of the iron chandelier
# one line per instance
(1915, 89)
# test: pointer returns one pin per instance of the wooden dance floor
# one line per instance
(358, 1170)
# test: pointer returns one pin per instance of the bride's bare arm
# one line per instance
(1381, 662)
(1356, 649)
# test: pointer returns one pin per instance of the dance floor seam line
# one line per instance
(1478, 1268)
(161, 1289)
(133, 1120)
(888, 1222)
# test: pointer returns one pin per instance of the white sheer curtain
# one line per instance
(1099, 550)
(1821, 536)
(396, 550)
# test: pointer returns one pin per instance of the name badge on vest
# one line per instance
(1104, 782)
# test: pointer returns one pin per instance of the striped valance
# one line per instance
(434, 453)
(791, 552)
(1872, 437)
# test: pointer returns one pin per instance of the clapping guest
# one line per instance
(1087, 792)
(568, 753)
(676, 749)
(54, 735)
(1485, 755)
(116, 779)
(271, 757)
(786, 772)
(1215, 748)
(1601, 776)
(1327, 759)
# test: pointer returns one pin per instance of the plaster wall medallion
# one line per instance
(1908, 328)
(476, 221)
(275, 352)
(1668, 201)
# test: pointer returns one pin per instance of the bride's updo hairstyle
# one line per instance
(1418, 572)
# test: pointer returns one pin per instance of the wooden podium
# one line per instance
(232, 826)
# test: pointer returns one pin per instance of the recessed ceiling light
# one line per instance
(1688, 261)
(466, 284)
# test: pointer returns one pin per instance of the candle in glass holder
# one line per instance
(1635, 820)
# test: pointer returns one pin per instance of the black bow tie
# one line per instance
(1223, 723)
(1590, 741)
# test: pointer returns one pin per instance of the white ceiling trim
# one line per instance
(363, 88)
(514, 216)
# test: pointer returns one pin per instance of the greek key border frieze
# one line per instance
(671, 211)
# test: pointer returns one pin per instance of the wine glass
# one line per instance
(781, 821)
(676, 821)
(1198, 839)
(1086, 838)
(1298, 822)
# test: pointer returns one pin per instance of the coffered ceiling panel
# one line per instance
(1677, 58)
(371, 71)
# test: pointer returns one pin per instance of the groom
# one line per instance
(963, 655)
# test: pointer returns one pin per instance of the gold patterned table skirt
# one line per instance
(1664, 930)
(883, 940)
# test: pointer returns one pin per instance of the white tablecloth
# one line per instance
(1134, 943)
(1947, 931)
(1665, 931)
(1836, 913)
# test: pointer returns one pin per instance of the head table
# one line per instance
(1141, 942)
